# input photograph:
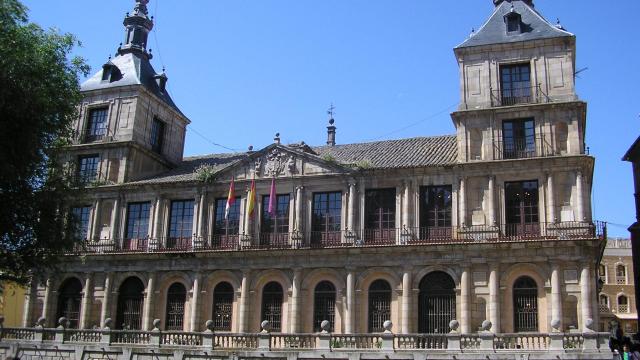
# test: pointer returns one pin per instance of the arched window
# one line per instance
(130, 300)
(272, 305)
(379, 305)
(174, 315)
(69, 299)
(437, 306)
(222, 306)
(623, 304)
(621, 274)
(324, 305)
(604, 301)
(525, 305)
(602, 272)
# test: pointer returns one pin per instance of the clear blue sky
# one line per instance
(243, 70)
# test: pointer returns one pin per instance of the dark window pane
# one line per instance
(180, 224)
(81, 217)
(326, 218)
(138, 220)
(515, 84)
(437, 303)
(88, 168)
(157, 135)
(69, 299)
(435, 206)
(97, 124)
(519, 139)
(130, 301)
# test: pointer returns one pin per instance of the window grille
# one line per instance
(324, 305)
(222, 306)
(272, 296)
(176, 298)
(437, 303)
(379, 305)
(525, 305)
(130, 300)
(69, 299)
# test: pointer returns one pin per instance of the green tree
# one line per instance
(39, 93)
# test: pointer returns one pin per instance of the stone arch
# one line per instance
(511, 275)
(309, 283)
(130, 304)
(363, 283)
(209, 285)
(419, 275)
(259, 281)
(164, 283)
(436, 302)
(69, 301)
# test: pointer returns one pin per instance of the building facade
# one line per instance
(490, 225)
(617, 296)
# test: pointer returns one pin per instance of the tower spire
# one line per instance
(137, 25)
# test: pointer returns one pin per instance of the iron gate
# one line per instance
(379, 305)
(525, 305)
(272, 305)
(324, 305)
(222, 307)
(437, 303)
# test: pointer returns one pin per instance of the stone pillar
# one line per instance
(29, 300)
(106, 299)
(465, 311)
(95, 223)
(551, 200)
(299, 201)
(157, 215)
(556, 295)
(147, 319)
(46, 304)
(585, 295)
(406, 212)
(351, 216)
(494, 298)
(115, 220)
(580, 197)
(202, 210)
(243, 316)
(407, 291)
(195, 294)
(350, 317)
(462, 199)
(491, 201)
(295, 301)
(87, 295)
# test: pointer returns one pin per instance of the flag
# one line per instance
(272, 197)
(230, 199)
(251, 198)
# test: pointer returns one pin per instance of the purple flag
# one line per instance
(272, 197)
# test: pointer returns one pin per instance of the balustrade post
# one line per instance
(207, 335)
(453, 337)
(39, 335)
(264, 337)
(486, 336)
(590, 337)
(324, 337)
(59, 332)
(156, 333)
(105, 339)
(387, 336)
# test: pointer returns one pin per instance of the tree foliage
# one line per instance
(39, 93)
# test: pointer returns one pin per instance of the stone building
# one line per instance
(491, 223)
(617, 298)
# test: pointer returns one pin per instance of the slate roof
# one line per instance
(494, 30)
(388, 154)
(135, 70)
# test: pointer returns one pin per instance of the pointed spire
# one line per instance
(137, 25)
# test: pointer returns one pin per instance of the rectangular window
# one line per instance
(226, 231)
(157, 135)
(515, 84)
(521, 206)
(519, 139)
(435, 212)
(326, 219)
(380, 216)
(80, 216)
(97, 125)
(88, 168)
(137, 226)
(180, 224)
(274, 229)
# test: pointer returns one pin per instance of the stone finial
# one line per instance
(588, 325)
(486, 325)
(325, 325)
(41, 321)
(387, 325)
(108, 323)
(454, 325)
(64, 322)
(209, 325)
(276, 139)
(555, 325)
(156, 324)
(266, 326)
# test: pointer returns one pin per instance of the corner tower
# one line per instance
(129, 128)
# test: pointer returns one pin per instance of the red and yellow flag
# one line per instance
(251, 198)
(230, 199)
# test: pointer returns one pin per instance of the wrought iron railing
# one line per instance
(518, 96)
(523, 148)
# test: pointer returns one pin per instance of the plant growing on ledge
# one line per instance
(206, 174)
(329, 158)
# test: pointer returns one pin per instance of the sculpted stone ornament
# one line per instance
(278, 163)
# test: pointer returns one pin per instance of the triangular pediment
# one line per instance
(280, 161)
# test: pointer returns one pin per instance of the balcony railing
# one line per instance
(90, 136)
(365, 238)
(623, 308)
(523, 148)
(517, 96)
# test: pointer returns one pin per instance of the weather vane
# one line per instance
(331, 111)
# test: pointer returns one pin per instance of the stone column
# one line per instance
(157, 215)
(462, 199)
(243, 312)
(556, 295)
(115, 220)
(295, 301)
(95, 223)
(350, 317)
(46, 304)
(580, 197)
(406, 301)
(351, 216)
(195, 294)
(585, 295)
(29, 300)
(465, 291)
(106, 299)
(87, 295)
(147, 319)
(551, 200)
(491, 201)
(494, 298)
(299, 201)
(202, 210)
